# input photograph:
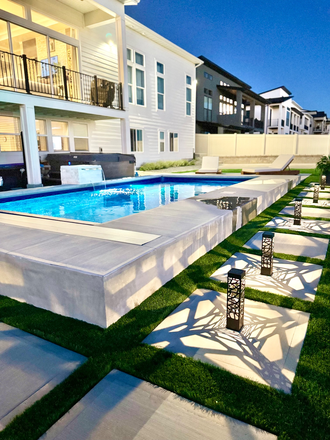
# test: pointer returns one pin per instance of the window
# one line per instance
(161, 141)
(4, 46)
(160, 86)
(207, 108)
(139, 59)
(80, 137)
(139, 87)
(53, 24)
(10, 134)
(208, 76)
(136, 140)
(287, 117)
(188, 95)
(13, 7)
(174, 142)
(135, 78)
(60, 136)
(41, 135)
(227, 105)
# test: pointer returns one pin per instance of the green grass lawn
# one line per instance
(302, 415)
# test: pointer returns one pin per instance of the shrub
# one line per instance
(161, 164)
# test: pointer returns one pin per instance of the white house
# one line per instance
(285, 116)
(81, 76)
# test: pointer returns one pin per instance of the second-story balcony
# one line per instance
(273, 123)
(21, 74)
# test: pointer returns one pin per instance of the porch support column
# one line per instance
(239, 100)
(28, 126)
(263, 117)
(252, 111)
(122, 75)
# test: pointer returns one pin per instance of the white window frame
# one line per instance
(161, 140)
(160, 75)
(10, 115)
(142, 131)
(169, 141)
(188, 86)
(52, 136)
(71, 123)
(135, 66)
(43, 135)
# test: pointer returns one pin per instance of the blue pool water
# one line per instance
(116, 201)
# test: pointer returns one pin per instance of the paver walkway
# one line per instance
(290, 278)
(293, 244)
(29, 368)
(122, 407)
(309, 202)
(266, 350)
(323, 194)
(310, 226)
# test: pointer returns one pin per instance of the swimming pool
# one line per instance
(114, 201)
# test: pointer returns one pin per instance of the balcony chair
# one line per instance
(279, 166)
(210, 165)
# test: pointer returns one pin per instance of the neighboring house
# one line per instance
(285, 116)
(225, 104)
(81, 76)
(321, 123)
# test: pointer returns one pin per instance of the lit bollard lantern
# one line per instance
(316, 193)
(235, 299)
(297, 211)
(323, 182)
(267, 250)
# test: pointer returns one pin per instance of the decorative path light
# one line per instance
(316, 193)
(323, 182)
(297, 211)
(267, 249)
(235, 299)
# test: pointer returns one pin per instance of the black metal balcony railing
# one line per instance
(306, 127)
(273, 122)
(255, 123)
(19, 73)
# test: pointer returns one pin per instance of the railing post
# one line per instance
(65, 84)
(120, 100)
(96, 91)
(26, 74)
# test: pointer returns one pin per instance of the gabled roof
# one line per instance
(223, 72)
(282, 87)
(278, 100)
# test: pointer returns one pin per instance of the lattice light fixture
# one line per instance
(297, 211)
(267, 250)
(316, 193)
(235, 299)
(323, 182)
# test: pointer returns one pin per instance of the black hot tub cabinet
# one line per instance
(114, 165)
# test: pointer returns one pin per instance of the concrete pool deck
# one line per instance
(98, 280)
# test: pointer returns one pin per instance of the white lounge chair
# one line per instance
(210, 165)
(279, 166)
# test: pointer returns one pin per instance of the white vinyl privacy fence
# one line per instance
(261, 145)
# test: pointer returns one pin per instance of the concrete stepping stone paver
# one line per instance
(322, 203)
(308, 212)
(311, 226)
(122, 407)
(29, 368)
(266, 350)
(323, 194)
(290, 278)
(312, 247)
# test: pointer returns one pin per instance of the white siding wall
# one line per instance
(173, 118)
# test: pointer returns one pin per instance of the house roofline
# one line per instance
(276, 88)
(223, 72)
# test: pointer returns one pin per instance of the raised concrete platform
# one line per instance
(29, 368)
(290, 278)
(84, 275)
(293, 244)
(266, 350)
(311, 226)
(308, 212)
(122, 407)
